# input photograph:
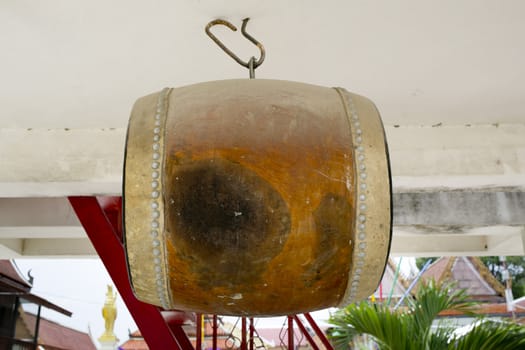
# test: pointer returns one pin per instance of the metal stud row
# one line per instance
(360, 254)
(156, 158)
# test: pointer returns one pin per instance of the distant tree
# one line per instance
(420, 262)
(515, 266)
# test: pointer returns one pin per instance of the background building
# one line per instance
(23, 330)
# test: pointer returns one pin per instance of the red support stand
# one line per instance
(215, 326)
(104, 233)
(305, 333)
(162, 330)
(318, 331)
(243, 336)
(252, 333)
(290, 333)
(198, 333)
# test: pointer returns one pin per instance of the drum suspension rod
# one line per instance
(253, 63)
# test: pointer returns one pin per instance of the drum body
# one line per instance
(255, 197)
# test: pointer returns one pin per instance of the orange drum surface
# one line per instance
(255, 197)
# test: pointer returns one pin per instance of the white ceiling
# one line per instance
(82, 64)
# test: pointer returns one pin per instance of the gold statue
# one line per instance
(109, 312)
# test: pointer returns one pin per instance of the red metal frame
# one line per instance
(306, 333)
(215, 326)
(318, 331)
(198, 333)
(105, 238)
(101, 219)
(290, 333)
(252, 333)
(243, 334)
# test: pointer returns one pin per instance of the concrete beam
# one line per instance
(41, 227)
(487, 221)
(480, 222)
(439, 244)
(424, 241)
(63, 162)
(456, 152)
(46, 248)
(461, 208)
(11, 248)
(43, 232)
(37, 211)
(59, 248)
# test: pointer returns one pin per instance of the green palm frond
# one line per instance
(412, 329)
(491, 335)
(433, 298)
(438, 339)
(342, 334)
(389, 329)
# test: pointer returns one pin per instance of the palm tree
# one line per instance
(412, 328)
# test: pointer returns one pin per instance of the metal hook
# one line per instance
(252, 64)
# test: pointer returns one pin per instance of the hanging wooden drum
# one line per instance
(255, 197)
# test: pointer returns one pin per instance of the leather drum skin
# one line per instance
(255, 197)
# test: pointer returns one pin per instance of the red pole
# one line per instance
(214, 332)
(243, 336)
(105, 239)
(198, 333)
(290, 333)
(306, 333)
(318, 331)
(182, 338)
(252, 328)
(381, 292)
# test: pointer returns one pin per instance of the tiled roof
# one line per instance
(400, 285)
(13, 283)
(134, 344)
(11, 278)
(437, 269)
(487, 309)
(57, 336)
(468, 273)
(487, 276)
(135, 334)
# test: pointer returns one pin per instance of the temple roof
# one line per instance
(135, 344)
(468, 273)
(387, 282)
(13, 283)
(11, 279)
(56, 336)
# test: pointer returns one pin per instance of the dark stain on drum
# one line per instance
(333, 221)
(221, 215)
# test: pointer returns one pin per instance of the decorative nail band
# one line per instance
(157, 204)
(144, 202)
(372, 192)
